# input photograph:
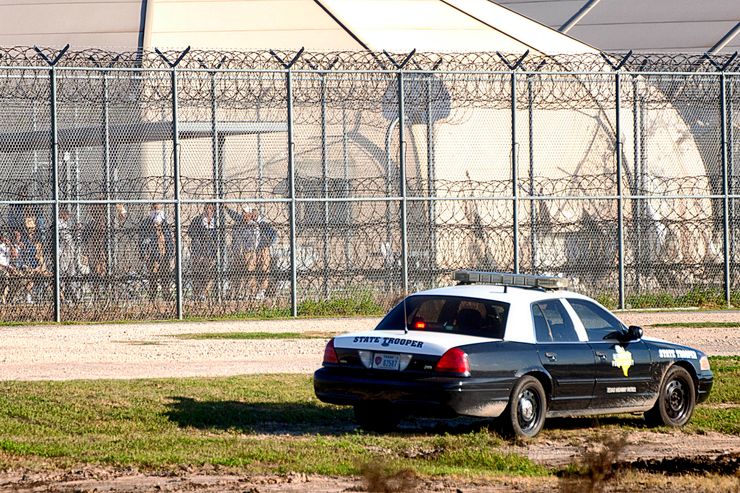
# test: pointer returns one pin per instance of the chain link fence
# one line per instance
(165, 185)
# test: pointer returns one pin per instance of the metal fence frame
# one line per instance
(401, 71)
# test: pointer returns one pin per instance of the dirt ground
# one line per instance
(660, 462)
(150, 350)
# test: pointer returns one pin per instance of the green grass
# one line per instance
(705, 298)
(360, 304)
(721, 412)
(270, 424)
(255, 423)
(254, 335)
(699, 325)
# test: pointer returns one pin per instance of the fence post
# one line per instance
(291, 176)
(54, 171)
(178, 203)
(514, 171)
(176, 177)
(620, 198)
(618, 155)
(532, 205)
(725, 184)
(401, 165)
(55, 181)
(402, 175)
(291, 191)
(325, 184)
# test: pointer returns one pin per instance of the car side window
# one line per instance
(552, 323)
(599, 323)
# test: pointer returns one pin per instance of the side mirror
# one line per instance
(634, 333)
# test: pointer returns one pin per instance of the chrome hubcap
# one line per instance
(528, 407)
(527, 410)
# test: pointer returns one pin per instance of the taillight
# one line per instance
(330, 355)
(454, 361)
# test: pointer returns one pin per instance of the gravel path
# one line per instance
(50, 352)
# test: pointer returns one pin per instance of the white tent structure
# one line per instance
(468, 143)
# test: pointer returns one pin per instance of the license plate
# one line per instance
(384, 361)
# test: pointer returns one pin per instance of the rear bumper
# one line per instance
(433, 396)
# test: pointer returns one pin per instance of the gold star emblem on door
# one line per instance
(622, 359)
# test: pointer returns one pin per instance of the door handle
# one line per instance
(601, 356)
(551, 356)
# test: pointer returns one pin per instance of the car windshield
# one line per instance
(450, 314)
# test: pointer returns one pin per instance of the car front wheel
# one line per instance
(525, 415)
(676, 399)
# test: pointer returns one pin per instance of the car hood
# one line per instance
(413, 342)
(672, 350)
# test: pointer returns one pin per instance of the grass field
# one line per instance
(262, 424)
(699, 325)
(254, 335)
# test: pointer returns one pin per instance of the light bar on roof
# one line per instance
(508, 279)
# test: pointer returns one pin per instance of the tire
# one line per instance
(377, 417)
(524, 417)
(676, 399)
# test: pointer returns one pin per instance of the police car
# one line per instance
(515, 347)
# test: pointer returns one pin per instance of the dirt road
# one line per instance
(150, 350)
(657, 461)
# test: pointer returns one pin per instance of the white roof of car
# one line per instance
(508, 294)
(519, 326)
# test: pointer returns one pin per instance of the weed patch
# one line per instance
(595, 466)
(382, 477)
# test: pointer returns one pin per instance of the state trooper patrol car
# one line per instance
(509, 346)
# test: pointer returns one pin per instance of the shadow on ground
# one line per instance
(594, 422)
(305, 418)
(295, 418)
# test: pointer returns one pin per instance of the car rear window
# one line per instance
(449, 314)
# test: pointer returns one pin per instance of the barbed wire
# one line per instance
(441, 80)
(371, 61)
(159, 187)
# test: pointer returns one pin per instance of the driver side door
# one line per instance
(623, 376)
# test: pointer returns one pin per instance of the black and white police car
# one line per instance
(512, 346)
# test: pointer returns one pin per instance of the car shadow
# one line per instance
(305, 418)
(595, 422)
(295, 418)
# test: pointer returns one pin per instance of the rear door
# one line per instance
(569, 360)
(623, 378)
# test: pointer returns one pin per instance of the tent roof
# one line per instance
(317, 25)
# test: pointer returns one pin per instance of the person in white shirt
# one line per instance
(6, 270)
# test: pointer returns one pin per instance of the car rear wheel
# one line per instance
(377, 417)
(676, 399)
(524, 417)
